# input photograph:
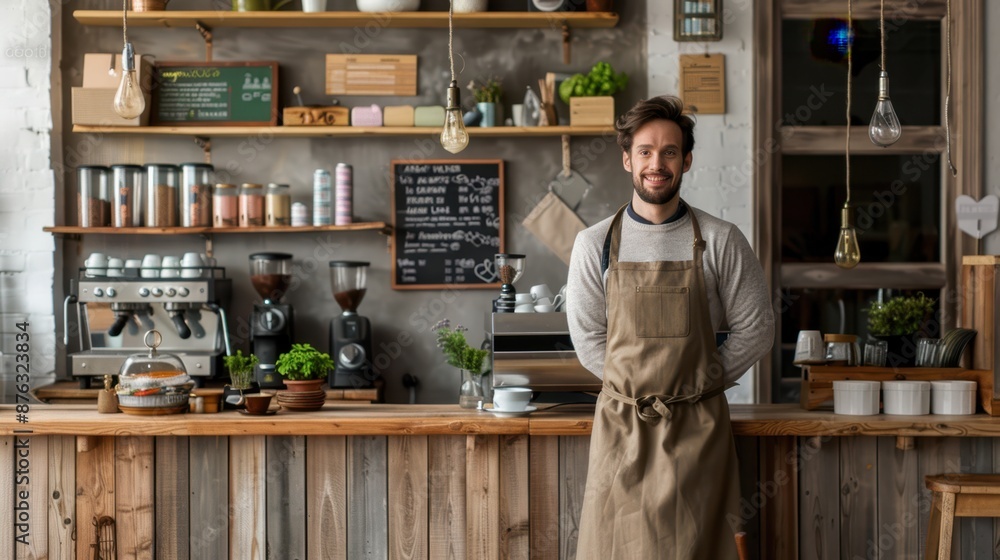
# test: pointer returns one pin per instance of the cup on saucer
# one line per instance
(511, 399)
(523, 299)
(115, 267)
(524, 308)
(543, 308)
(540, 291)
(96, 264)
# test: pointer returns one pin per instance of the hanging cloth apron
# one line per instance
(663, 478)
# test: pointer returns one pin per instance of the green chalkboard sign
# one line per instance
(220, 93)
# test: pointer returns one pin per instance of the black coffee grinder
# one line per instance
(350, 333)
(271, 323)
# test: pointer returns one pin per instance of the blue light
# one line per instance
(839, 37)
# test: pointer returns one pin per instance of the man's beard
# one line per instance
(659, 198)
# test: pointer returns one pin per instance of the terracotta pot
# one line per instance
(599, 5)
(305, 385)
(149, 5)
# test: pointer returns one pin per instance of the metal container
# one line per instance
(161, 195)
(535, 350)
(196, 194)
(321, 197)
(344, 195)
(278, 205)
(93, 197)
(126, 195)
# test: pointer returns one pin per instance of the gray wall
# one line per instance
(518, 56)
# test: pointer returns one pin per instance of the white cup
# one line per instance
(544, 308)
(809, 348)
(115, 267)
(517, 113)
(540, 291)
(96, 264)
(191, 264)
(524, 308)
(521, 299)
(313, 5)
(558, 301)
(151, 266)
(512, 399)
(543, 301)
(132, 267)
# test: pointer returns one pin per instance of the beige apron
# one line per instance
(663, 475)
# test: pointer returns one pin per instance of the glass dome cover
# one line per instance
(153, 379)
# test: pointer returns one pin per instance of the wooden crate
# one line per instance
(817, 381)
(316, 116)
(592, 111)
(980, 294)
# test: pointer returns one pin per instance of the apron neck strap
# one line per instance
(616, 234)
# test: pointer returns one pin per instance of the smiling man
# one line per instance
(650, 287)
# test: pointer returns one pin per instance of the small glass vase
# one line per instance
(470, 394)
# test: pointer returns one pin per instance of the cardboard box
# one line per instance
(592, 111)
(95, 106)
(96, 73)
(398, 116)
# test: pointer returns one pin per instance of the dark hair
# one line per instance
(666, 107)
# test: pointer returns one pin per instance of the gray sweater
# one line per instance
(737, 293)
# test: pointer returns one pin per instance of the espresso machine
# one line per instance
(350, 333)
(272, 322)
(115, 308)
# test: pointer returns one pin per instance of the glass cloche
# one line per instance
(153, 383)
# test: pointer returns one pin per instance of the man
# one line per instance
(650, 287)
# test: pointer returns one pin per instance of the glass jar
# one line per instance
(226, 205)
(93, 197)
(841, 349)
(161, 195)
(278, 205)
(196, 194)
(126, 195)
(251, 205)
(153, 380)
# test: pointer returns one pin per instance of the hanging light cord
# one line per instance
(881, 24)
(451, 52)
(947, 98)
(124, 23)
(850, 48)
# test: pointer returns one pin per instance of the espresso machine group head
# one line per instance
(271, 322)
(350, 333)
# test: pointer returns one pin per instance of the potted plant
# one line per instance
(304, 367)
(589, 96)
(241, 369)
(469, 360)
(897, 322)
(487, 94)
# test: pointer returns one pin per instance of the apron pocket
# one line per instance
(661, 311)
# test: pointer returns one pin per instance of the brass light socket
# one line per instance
(454, 96)
(847, 216)
(883, 85)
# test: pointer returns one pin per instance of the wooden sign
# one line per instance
(219, 93)
(448, 223)
(703, 83)
(371, 74)
(316, 116)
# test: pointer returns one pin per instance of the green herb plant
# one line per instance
(240, 369)
(601, 80)
(486, 91)
(901, 315)
(456, 349)
(304, 362)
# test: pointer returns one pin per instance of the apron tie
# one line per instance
(651, 408)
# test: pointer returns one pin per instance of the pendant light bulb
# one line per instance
(454, 137)
(884, 130)
(848, 254)
(129, 102)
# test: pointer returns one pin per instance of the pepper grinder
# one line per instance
(107, 399)
(509, 269)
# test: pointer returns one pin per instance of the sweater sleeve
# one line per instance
(747, 305)
(586, 306)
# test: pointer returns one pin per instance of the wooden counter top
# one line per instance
(351, 419)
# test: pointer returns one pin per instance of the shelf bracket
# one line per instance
(566, 161)
(565, 43)
(206, 147)
(206, 34)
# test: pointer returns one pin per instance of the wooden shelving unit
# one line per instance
(74, 230)
(480, 20)
(343, 131)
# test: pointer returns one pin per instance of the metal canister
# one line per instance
(161, 195)
(344, 207)
(300, 215)
(93, 202)
(126, 195)
(196, 194)
(321, 197)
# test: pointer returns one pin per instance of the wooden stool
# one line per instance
(958, 495)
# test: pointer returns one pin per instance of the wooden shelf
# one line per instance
(75, 230)
(343, 131)
(480, 20)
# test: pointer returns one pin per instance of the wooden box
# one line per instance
(95, 107)
(316, 116)
(592, 111)
(980, 295)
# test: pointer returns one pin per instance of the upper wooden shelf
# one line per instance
(479, 20)
(342, 131)
(75, 230)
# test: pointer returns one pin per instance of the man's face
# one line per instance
(655, 161)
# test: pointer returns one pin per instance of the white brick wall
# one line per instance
(27, 188)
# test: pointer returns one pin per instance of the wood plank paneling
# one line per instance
(819, 498)
(173, 496)
(574, 455)
(898, 487)
(779, 484)
(858, 495)
(514, 525)
(95, 488)
(209, 500)
(446, 497)
(746, 451)
(482, 479)
(326, 497)
(62, 497)
(33, 480)
(977, 533)
(367, 531)
(407, 497)
(7, 467)
(936, 456)
(543, 496)
(247, 499)
(286, 497)
(134, 497)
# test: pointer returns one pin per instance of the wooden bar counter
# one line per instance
(437, 482)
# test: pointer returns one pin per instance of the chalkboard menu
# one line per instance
(222, 93)
(448, 218)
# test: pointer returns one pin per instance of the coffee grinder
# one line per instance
(271, 323)
(350, 333)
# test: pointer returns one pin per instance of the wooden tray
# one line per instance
(153, 410)
(817, 381)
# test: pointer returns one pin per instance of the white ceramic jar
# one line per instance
(953, 397)
(906, 397)
(388, 5)
(856, 397)
(466, 6)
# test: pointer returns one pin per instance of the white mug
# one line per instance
(540, 291)
(151, 266)
(517, 113)
(525, 308)
(543, 301)
(544, 308)
(96, 264)
(191, 264)
(115, 267)
(313, 5)
(558, 301)
(521, 299)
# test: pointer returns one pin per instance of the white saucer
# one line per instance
(513, 413)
